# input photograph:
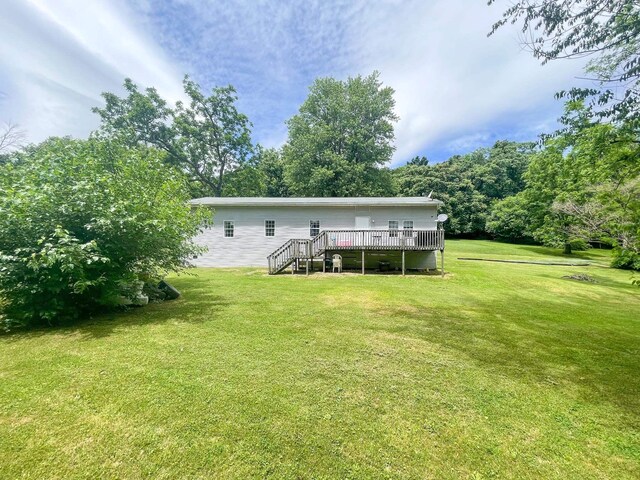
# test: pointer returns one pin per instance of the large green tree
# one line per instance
(207, 136)
(583, 184)
(341, 139)
(607, 31)
(610, 214)
(271, 165)
(261, 176)
(83, 222)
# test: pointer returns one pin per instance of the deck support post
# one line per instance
(307, 267)
(403, 269)
(442, 262)
(324, 263)
(363, 261)
(293, 267)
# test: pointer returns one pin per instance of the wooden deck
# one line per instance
(362, 240)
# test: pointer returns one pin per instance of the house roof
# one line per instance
(316, 201)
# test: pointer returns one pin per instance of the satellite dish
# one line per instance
(443, 217)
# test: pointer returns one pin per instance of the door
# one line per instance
(363, 223)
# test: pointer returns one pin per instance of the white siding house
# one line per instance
(247, 230)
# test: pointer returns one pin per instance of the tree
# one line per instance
(612, 214)
(419, 160)
(509, 219)
(587, 159)
(468, 184)
(589, 171)
(341, 138)
(83, 223)
(606, 30)
(245, 181)
(11, 136)
(271, 164)
(207, 137)
(261, 176)
(502, 174)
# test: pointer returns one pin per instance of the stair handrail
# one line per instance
(318, 243)
(291, 251)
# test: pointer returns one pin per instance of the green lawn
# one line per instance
(497, 371)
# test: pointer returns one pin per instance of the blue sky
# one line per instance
(456, 89)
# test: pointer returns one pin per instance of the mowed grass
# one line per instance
(497, 371)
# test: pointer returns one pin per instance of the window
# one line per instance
(269, 228)
(407, 226)
(228, 228)
(314, 227)
(393, 228)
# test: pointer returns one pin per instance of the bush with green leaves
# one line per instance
(82, 223)
(625, 259)
(509, 219)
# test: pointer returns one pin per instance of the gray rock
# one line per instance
(140, 300)
(170, 291)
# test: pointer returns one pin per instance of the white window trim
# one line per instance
(265, 228)
(310, 227)
(408, 231)
(224, 230)
(393, 232)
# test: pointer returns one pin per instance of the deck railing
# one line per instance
(335, 240)
(383, 240)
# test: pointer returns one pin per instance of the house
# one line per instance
(368, 232)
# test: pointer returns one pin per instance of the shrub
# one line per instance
(509, 219)
(579, 244)
(82, 223)
(625, 259)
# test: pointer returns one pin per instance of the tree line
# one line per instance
(341, 140)
(338, 142)
(579, 185)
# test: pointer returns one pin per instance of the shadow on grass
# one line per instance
(352, 272)
(188, 308)
(593, 362)
(591, 254)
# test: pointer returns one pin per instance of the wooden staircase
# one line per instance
(291, 251)
(297, 249)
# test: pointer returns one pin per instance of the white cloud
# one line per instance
(57, 57)
(450, 79)
(271, 51)
(454, 86)
(469, 142)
